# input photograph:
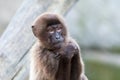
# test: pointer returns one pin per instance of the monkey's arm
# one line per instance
(72, 53)
(63, 72)
(76, 67)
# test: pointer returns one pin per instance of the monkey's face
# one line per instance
(50, 29)
(52, 36)
(55, 35)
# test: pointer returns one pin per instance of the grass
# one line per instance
(100, 71)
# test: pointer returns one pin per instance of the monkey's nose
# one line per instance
(57, 36)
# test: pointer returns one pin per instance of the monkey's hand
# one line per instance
(70, 50)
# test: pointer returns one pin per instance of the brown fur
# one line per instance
(58, 64)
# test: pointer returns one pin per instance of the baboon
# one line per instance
(55, 55)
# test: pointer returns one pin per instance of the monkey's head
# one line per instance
(50, 29)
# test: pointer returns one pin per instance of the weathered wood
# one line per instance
(18, 38)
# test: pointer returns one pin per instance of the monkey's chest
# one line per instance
(49, 66)
(54, 66)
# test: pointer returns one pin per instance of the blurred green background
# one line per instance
(95, 24)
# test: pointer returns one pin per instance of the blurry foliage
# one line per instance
(99, 71)
(115, 49)
(96, 23)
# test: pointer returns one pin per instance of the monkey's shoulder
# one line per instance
(35, 50)
(36, 46)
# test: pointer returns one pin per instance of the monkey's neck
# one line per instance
(51, 50)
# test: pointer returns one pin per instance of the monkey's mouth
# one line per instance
(57, 43)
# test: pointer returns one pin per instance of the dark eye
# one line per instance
(59, 28)
(50, 30)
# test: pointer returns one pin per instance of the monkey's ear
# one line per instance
(34, 30)
(32, 27)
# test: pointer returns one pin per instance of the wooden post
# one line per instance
(17, 39)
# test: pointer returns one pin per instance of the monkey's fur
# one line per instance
(49, 62)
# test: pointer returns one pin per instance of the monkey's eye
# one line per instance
(59, 29)
(50, 30)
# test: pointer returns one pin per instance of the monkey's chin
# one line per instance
(57, 45)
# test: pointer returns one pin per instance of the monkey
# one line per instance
(55, 55)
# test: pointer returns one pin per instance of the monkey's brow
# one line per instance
(53, 26)
(53, 23)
